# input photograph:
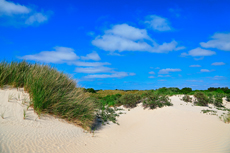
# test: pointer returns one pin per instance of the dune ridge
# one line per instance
(179, 128)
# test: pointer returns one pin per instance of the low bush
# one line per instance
(201, 99)
(210, 98)
(129, 100)
(111, 100)
(228, 98)
(156, 100)
(218, 100)
(187, 98)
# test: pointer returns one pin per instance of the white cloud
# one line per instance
(194, 80)
(114, 75)
(10, 8)
(17, 14)
(166, 71)
(80, 63)
(128, 32)
(127, 38)
(205, 70)
(160, 76)
(92, 56)
(220, 41)
(151, 77)
(151, 72)
(218, 78)
(93, 69)
(158, 23)
(199, 52)
(157, 68)
(132, 74)
(161, 80)
(60, 55)
(36, 18)
(218, 63)
(194, 66)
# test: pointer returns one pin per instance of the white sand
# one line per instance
(177, 129)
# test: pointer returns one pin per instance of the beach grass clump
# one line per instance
(155, 100)
(211, 98)
(51, 91)
(187, 98)
(129, 100)
(201, 99)
(212, 112)
(218, 102)
(226, 118)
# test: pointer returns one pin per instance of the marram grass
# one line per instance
(51, 91)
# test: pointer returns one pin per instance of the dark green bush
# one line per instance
(201, 99)
(91, 90)
(187, 98)
(129, 100)
(186, 90)
(156, 100)
(218, 100)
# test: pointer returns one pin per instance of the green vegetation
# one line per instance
(51, 91)
(201, 99)
(187, 98)
(155, 100)
(218, 100)
(228, 98)
(209, 111)
(129, 100)
(56, 93)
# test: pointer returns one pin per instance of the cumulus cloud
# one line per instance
(151, 72)
(132, 74)
(218, 63)
(218, 77)
(127, 38)
(36, 18)
(220, 41)
(93, 64)
(92, 56)
(17, 14)
(93, 69)
(199, 52)
(10, 8)
(166, 71)
(158, 23)
(60, 55)
(205, 70)
(194, 66)
(114, 75)
(151, 77)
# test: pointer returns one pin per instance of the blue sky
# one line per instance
(143, 44)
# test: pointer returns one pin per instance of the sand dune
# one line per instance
(180, 128)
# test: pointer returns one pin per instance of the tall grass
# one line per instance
(50, 91)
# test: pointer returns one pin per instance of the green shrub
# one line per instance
(91, 90)
(201, 99)
(218, 100)
(210, 98)
(129, 100)
(228, 98)
(111, 100)
(187, 98)
(156, 100)
(186, 90)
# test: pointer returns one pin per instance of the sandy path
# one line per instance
(181, 128)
